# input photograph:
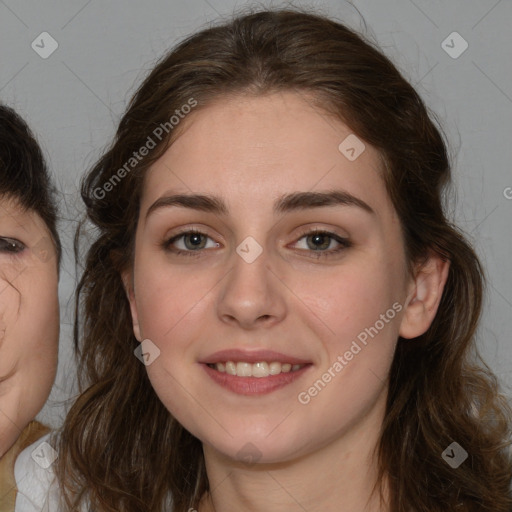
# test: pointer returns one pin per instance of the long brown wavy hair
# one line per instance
(120, 449)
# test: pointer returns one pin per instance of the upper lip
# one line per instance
(252, 356)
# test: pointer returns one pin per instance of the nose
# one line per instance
(252, 295)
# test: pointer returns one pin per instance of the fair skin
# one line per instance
(29, 318)
(249, 152)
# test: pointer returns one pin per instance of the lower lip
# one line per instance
(254, 385)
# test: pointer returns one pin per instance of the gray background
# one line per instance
(74, 99)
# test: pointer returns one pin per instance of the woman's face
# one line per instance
(267, 340)
(29, 318)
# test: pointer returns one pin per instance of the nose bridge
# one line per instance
(250, 291)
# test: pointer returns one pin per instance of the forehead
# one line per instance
(251, 149)
(14, 215)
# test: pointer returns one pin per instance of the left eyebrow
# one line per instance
(304, 200)
(287, 203)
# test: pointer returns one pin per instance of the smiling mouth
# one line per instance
(259, 370)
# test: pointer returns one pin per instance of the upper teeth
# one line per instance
(261, 369)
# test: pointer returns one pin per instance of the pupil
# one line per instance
(195, 239)
(318, 239)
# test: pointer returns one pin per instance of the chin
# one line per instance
(256, 449)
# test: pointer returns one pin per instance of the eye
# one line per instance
(11, 245)
(320, 243)
(323, 243)
(189, 242)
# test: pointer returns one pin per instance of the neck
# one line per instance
(338, 477)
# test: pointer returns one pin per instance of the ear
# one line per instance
(127, 278)
(425, 292)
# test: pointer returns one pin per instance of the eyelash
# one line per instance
(11, 245)
(344, 243)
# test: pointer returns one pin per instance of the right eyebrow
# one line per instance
(199, 202)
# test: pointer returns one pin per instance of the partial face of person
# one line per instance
(269, 277)
(29, 318)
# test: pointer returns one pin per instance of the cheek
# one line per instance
(10, 347)
(167, 301)
(30, 315)
(363, 312)
(344, 304)
(40, 296)
(34, 324)
(40, 341)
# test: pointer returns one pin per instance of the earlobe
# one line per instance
(130, 294)
(425, 295)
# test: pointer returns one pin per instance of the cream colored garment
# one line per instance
(32, 433)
